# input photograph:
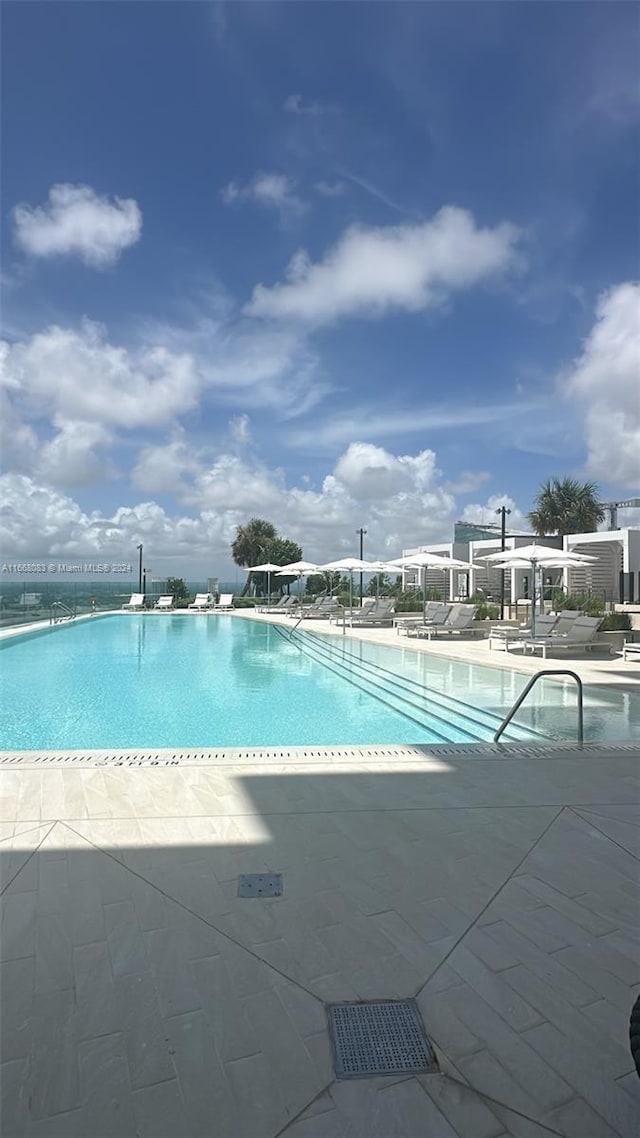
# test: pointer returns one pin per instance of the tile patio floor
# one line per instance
(142, 997)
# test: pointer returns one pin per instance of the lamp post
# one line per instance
(503, 511)
(362, 532)
(139, 548)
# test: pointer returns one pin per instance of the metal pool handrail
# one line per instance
(65, 612)
(523, 695)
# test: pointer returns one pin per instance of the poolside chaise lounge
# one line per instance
(136, 601)
(202, 603)
(379, 614)
(631, 649)
(163, 604)
(547, 624)
(458, 622)
(225, 602)
(438, 618)
(285, 602)
(432, 609)
(580, 638)
(321, 610)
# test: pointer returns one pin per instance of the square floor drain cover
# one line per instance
(260, 885)
(385, 1037)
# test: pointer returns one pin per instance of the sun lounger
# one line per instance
(580, 638)
(286, 602)
(322, 610)
(458, 623)
(202, 603)
(631, 650)
(377, 615)
(163, 604)
(224, 603)
(135, 602)
(439, 619)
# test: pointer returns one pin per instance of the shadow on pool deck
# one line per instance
(142, 997)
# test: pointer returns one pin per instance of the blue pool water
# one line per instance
(216, 681)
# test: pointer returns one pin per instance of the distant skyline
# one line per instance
(333, 265)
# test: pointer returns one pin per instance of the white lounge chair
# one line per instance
(631, 649)
(225, 602)
(323, 609)
(379, 614)
(439, 618)
(458, 623)
(135, 602)
(164, 603)
(285, 602)
(202, 602)
(580, 638)
(552, 629)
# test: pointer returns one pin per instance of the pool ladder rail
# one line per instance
(62, 612)
(532, 682)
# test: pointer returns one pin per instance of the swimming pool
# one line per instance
(213, 681)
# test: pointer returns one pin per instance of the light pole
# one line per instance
(503, 511)
(362, 532)
(139, 548)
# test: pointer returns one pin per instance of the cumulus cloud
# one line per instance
(77, 221)
(79, 375)
(71, 457)
(275, 191)
(487, 514)
(605, 381)
(399, 498)
(372, 270)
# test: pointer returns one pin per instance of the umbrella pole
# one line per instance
(533, 600)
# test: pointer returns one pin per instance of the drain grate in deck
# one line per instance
(382, 1037)
(260, 885)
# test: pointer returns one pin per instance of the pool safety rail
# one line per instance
(59, 611)
(532, 682)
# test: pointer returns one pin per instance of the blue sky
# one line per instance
(330, 264)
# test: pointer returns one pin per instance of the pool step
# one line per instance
(444, 729)
(479, 723)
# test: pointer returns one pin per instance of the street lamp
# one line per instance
(362, 532)
(503, 511)
(139, 548)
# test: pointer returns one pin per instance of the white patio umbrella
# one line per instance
(348, 565)
(536, 556)
(267, 568)
(424, 561)
(298, 569)
(378, 567)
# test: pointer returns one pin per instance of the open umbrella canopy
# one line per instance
(536, 557)
(540, 554)
(429, 561)
(299, 568)
(348, 565)
(268, 567)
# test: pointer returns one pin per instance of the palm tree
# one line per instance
(251, 544)
(564, 505)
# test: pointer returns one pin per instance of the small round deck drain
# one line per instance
(381, 1037)
(260, 885)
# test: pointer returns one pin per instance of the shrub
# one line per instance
(485, 611)
(590, 606)
(616, 622)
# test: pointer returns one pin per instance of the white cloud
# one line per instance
(160, 469)
(372, 270)
(467, 481)
(78, 221)
(487, 514)
(80, 376)
(330, 189)
(295, 105)
(70, 458)
(239, 429)
(605, 380)
(388, 422)
(399, 499)
(274, 191)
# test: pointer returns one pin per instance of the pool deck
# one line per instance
(499, 887)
